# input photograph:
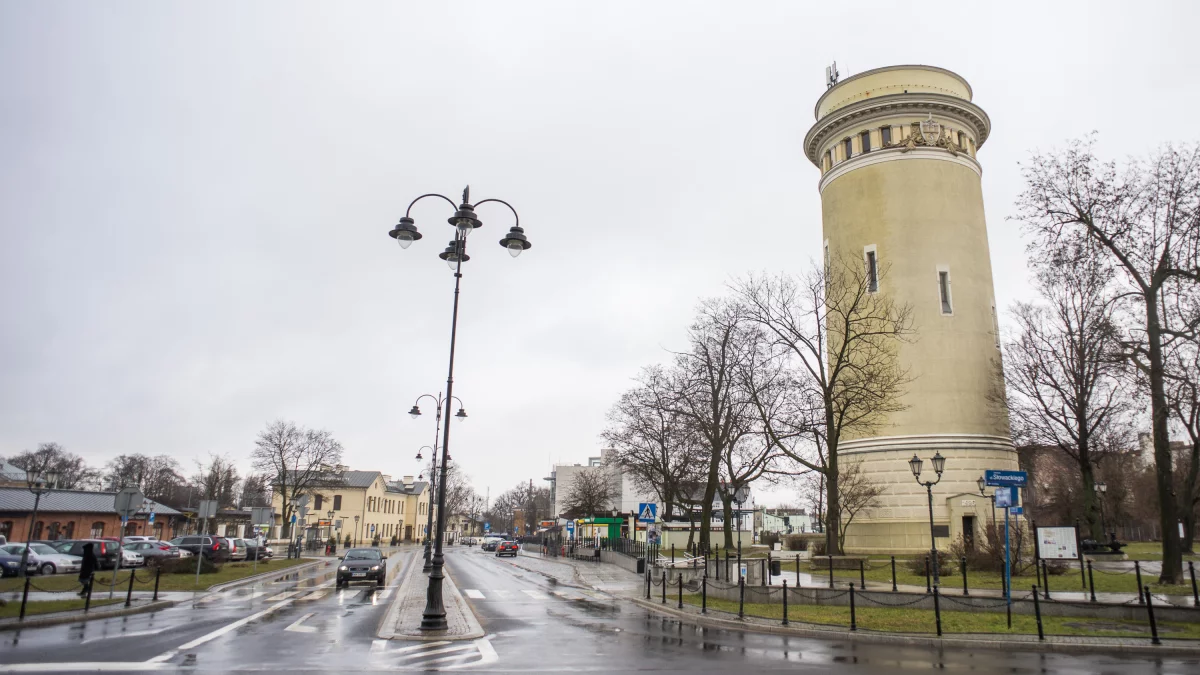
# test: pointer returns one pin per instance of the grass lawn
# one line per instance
(888, 619)
(1151, 550)
(13, 609)
(169, 582)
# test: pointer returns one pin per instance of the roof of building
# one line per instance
(350, 479)
(70, 501)
(11, 471)
(414, 488)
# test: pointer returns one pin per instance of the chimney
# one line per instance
(408, 480)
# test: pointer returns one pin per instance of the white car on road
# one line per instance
(48, 560)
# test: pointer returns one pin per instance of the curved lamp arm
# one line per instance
(408, 211)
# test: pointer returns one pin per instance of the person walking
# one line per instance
(87, 569)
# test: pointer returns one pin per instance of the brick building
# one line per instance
(80, 514)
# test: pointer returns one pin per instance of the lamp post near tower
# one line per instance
(455, 254)
(939, 465)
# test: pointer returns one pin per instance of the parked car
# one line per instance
(153, 551)
(46, 560)
(106, 551)
(362, 564)
(10, 565)
(214, 548)
(131, 559)
(507, 548)
(132, 538)
(237, 550)
(253, 550)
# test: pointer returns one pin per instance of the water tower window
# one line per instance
(828, 159)
(848, 147)
(962, 140)
(885, 135)
(865, 141)
(944, 291)
(872, 269)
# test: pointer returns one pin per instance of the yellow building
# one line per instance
(363, 505)
(900, 188)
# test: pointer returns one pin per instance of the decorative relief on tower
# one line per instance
(929, 133)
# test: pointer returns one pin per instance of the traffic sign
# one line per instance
(1017, 510)
(647, 512)
(1005, 478)
(208, 508)
(262, 515)
(487, 527)
(128, 501)
(151, 519)
(1007, 497)
(293, 519)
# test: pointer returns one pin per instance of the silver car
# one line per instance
(46, 559)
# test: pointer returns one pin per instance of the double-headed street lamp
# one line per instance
(455, 254)
(415, 412)
(939, 465)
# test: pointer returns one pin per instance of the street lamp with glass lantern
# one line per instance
(415, 412)
(1101, 488)
(356, 538)
(455, 254)
(39, 483)
(329, 527)
(939, 465)
(992, 497)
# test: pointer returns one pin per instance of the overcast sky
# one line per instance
(195, 198)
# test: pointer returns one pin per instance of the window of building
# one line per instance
(944, 290)
(828, 160)
(826, 254)
(962, 140)
(38, 528)
(69, 533)
(317, 502)
(848, 148)
(97, 530)
(865, 141)
(885, 135)
(337, 502)
(6, 529)
(872, 262)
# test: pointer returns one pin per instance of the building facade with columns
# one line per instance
(901, 188)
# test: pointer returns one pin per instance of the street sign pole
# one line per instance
(1007, 570)
(200, 553)
(120, 554)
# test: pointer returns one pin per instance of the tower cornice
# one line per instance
(853, 115)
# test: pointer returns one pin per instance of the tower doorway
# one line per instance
(968, 532)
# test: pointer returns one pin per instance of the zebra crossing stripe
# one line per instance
(443, 650)
(536, 595)
(474, 594)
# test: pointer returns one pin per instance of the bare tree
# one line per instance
(591, 491)
(256, 491)
(297, 461)
(837, 342)
(1183, 399)
(1145, 222)
(217, 479)
(856, 491)
(458, 491)
(655, 444)
(1064, 372)
(159, 477)
(710, 392)
(71, 471)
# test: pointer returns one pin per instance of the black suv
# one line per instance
(107, 551)
(362, 564)
(215, 549)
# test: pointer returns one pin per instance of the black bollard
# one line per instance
(798, 573)
(1150, 612)
(862, 575)
(830, 571)
(1137, 569)
(785, 602)
(1037, 611)
(87, 601)
(157, 574)
(129, 593)
(1195, 593)
(853, 618)
(741, 596)
(893, 574)
(937, 611)
(1091, 581)
(766, 570)
(680, 605)
(647, 584)
(664, 585)
(928, 587)
(672, 554)
(704, 595)
(963, 564)
(1046, 580)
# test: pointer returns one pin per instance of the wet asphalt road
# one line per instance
(301, 623)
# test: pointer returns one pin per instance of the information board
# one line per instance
(1057, 543)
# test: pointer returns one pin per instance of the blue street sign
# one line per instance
(570, 527)
(487, 527)
(293, 519)
(1017, 510)
(647, 513)
(1005, 478)
(151, 517)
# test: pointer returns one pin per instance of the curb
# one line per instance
(52, 620)
(916, 640)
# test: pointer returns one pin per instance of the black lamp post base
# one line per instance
(434, 617)
(428, 567)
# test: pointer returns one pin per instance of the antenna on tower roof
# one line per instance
(831, 75)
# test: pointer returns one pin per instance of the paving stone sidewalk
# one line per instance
(403, 620)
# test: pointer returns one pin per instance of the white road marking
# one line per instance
(124, 635)
(283, 596)
(387, 593)
(472, 593)
(378, 646)
(219, 632)
(443, 650)
(536, 595)
(117, 666)
(297, 628)
(418, 647)
(315, 595)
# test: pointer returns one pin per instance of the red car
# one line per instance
(507, 548)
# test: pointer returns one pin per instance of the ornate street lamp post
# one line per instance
(982, 483)
(415, 412)
(1101, 488)
(939, 465)
(39, 485)
(405, 233)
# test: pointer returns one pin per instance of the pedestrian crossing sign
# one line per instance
(647, 513)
